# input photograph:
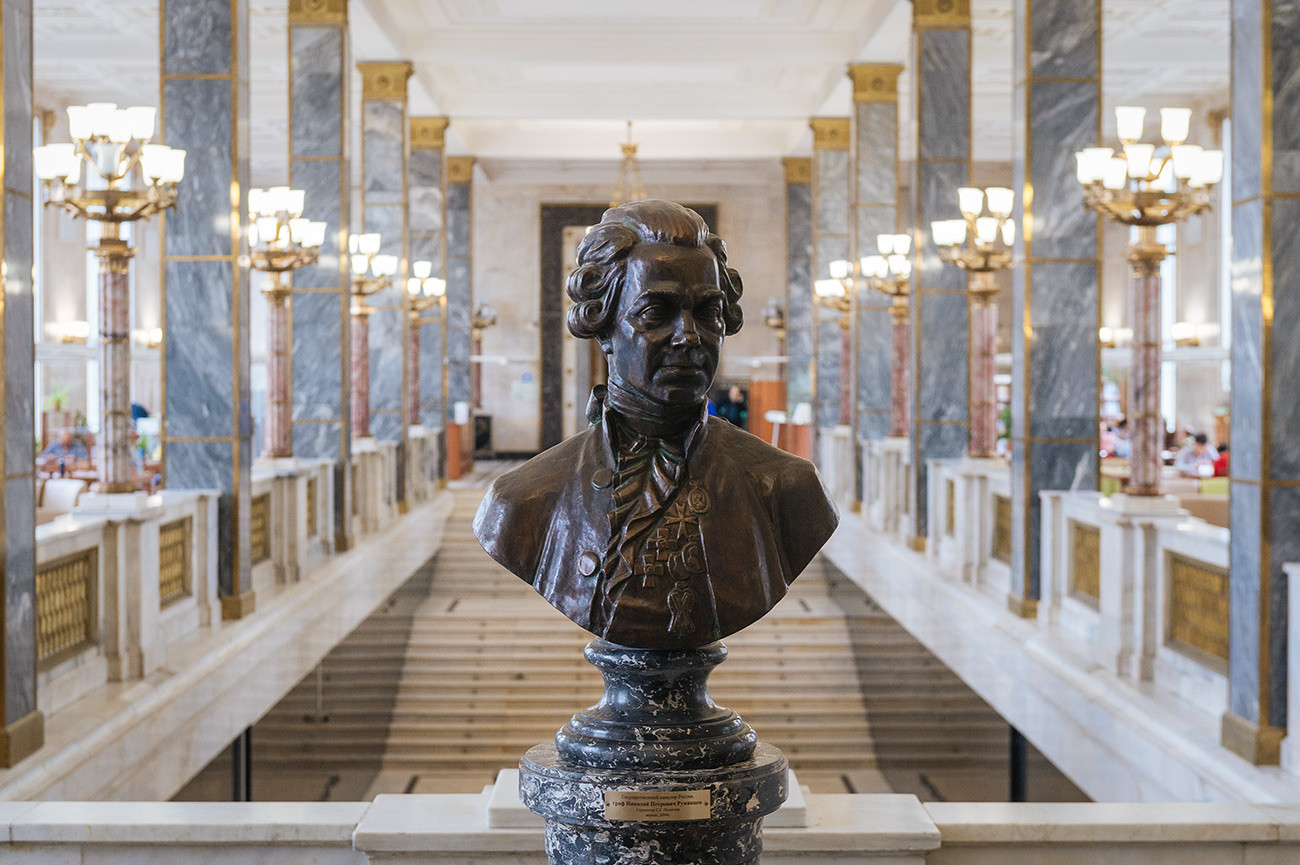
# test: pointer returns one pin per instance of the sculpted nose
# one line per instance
(687, 333)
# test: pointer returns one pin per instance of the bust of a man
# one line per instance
(658, 526)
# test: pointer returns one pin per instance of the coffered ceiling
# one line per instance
(719, 80)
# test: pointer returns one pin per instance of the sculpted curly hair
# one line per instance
(595, 285)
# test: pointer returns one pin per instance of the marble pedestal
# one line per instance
(655, 772)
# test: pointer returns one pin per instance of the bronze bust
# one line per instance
(658, 526)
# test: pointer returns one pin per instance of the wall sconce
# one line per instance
(1184, 334)
(149, 337)
(71, 332)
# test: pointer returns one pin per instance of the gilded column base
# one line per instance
(22, 738)
(1261, 746)
(917, 544)
(1025, 608)
(237, 606)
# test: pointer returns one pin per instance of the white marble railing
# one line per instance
(436, 829)
(292, 504)
(836, 465)
(374, 484)
(115, 592)
(1291, 744)
(887, 499)
(422, 465)
(968, 508)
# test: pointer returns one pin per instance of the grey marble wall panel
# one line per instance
(942, 374)
(206, 352)
(1284, 359)
(875, 346)
(197, 107)
(196, 37)
(319, 179)
(431, 375)
(1247, 100)
(1245, 544)
(426, 207)
(382, 151)
(944, 60)
(874, 221)
(938, 183)
(386, 350)
(20, 594)
(18, 555)
(19, 398)
(459, 291)
(318, 438)
(1064, 121)
(832, 173)
(1062, 389)
(1054, 294)
(829, 354)
(199, 345)
(1064, 43)
(386, 425)
(317, 357)
(317, 90)
(799, 302)
(389, 221)
(877, 153)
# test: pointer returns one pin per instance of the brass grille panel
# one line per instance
(1002, 529)
(259, 529)
(311, 507)
(1085, 562)
(1198, 609)
(950, 489)
(65, 607)
(174, 561)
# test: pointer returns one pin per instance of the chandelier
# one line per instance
(629, 186)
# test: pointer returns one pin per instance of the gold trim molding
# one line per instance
(234, 607)
(460, 169)
(318, 11)
(875, 82)
(830, 133)
(798, 169)
(22, 738)
(1260, 746)
(385, 80)
(940, 14)
(428, 133)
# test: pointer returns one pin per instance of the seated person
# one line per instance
(1221, 463)
(1190, 459)
(65, 447)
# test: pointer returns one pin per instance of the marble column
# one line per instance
(460, 291)
(831, 242)
(799, 301)
(1055, 306)
(428, 243)
(207, 432)
(940, 312)
(1265, 191)
(875, 212)
(319, 164)
(385, 209)
(22, 725)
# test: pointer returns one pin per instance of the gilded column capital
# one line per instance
(830, 133)
(875, 82)
(385, 80)
(318, 11)
(798, 169)
(460, 169)
(428, 133)
(940, 14)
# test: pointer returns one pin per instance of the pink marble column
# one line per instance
(846, 373)
(279, 372)
(902, 333)
(361, 372)
(983, 347)
(116, 434)
(413, 372)
(1144, 420)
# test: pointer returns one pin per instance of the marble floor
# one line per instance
(427, 695)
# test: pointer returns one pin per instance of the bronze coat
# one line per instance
(765, 515)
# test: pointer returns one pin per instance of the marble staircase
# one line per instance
(464, 668)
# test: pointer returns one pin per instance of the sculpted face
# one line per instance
(669, 328)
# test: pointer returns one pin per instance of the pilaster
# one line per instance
(428, 208)
(831, 242)
(799, 302)
(207, 425)
(460, 290)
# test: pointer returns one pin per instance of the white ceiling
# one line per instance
(724, 81)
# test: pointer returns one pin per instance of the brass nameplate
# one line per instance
(649, 806)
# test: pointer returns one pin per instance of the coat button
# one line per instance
(588, 562)
(602, 478)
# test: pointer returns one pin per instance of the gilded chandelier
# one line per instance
(280, 240)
